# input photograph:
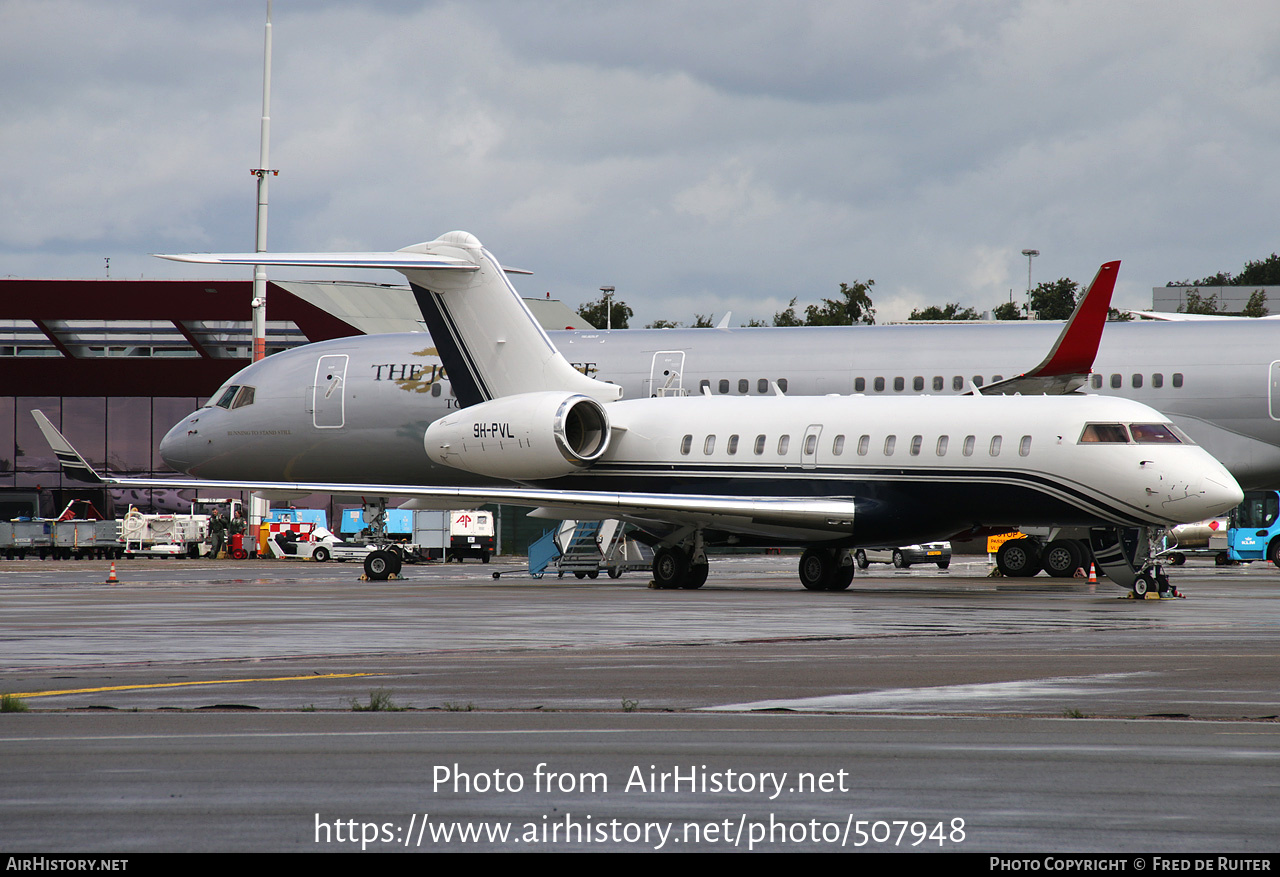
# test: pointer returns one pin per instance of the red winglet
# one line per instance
(1077, 346)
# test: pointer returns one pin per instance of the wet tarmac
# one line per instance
(1049, 715)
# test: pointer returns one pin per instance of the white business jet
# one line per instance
(827, 473)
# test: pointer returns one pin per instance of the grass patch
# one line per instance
(11, 703)
(459, 707)
(1073, 714)
(379, 702)
(630, 706)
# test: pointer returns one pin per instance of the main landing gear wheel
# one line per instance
(1062, 557)
(670, 567)
(697, 577)
(816, 568)
(823, 569)
(1019, 558)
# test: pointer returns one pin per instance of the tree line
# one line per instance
(1051, 300)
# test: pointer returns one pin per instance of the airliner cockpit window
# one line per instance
(224, 401)
(243, 398)
(1109, 433)
(1153, 434)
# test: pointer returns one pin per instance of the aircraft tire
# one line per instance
(860, 557)
(843, 578)
(1061, 558)
(1142, 585)
(817, 568)
(670, 567)
(377, 566)
(697, 577)
(1019, 558)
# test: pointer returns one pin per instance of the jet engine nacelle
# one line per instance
(526, 437)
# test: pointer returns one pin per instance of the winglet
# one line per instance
(73, 465)
(1070, 360)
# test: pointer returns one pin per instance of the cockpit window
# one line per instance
(243, 398)
(1111, 433)
(1153, 434)
(229, 395)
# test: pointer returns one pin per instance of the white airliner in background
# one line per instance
(825, 472)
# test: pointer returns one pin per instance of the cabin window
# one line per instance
(996, 441)
(995, 378)
(957, 383)
(937, 383)
(784, 442)
(1024, 446)
(916, 442)
(889, 442)
(1137, 381)
(732, 448)
(744, 386)
(782, 384)
(1117, 381)
(759, 448)
(942, 445)
(878, 385)
(1153, 434)
(899, 384)
(762, 385)
(810, 445)
(969, 442)
(724, 386)
(704, 385)
(859, 385)
(686, 445)
(435, 390)
(977, 380)
(1104, 433)
(1096, 380)
(224, 401)
(709, 446)
(837, 447)
(1157, 380)
(864, 445)
(917, 383)
(1177, 379)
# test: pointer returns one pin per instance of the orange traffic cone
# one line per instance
(111, 578)
(1093, 574)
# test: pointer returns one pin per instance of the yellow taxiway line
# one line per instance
(180, 684)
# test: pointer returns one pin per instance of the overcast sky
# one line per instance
(699, 156)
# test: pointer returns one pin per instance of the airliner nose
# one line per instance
(178, 445)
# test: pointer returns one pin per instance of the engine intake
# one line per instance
(527, 437)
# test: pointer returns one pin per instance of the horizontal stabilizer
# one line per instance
(394, 261)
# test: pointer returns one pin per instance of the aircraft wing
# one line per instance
(746, 514)
(1070, 361)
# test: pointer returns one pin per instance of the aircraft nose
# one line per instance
(179, 443)
(1221, 493)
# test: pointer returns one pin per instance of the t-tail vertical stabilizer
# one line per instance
(490, 343)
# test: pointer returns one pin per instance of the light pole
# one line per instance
(608, 306)
(1030, 254)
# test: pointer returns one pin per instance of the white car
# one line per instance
(904, 555)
